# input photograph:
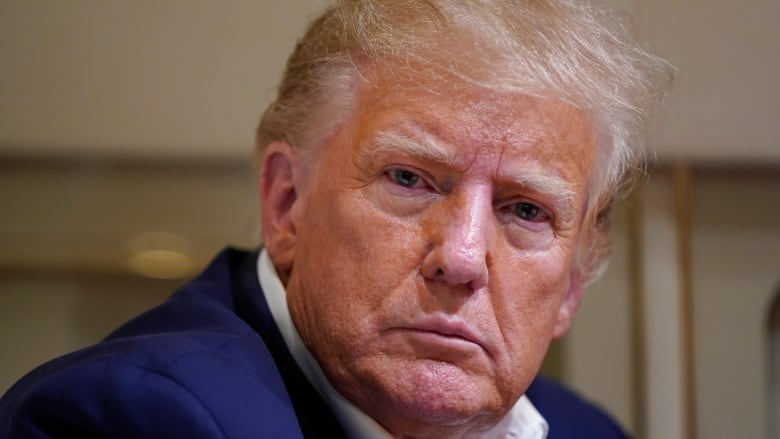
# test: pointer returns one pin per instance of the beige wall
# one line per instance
(189, 78)
(736, 276)
(46, 315)
(147, 78)
(597, 349)
(67, 229)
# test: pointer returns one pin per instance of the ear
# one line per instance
(569, 305)
(278, 195)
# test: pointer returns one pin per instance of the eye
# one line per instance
(404, 177)
(529, 212)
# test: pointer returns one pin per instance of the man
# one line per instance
(436, 178)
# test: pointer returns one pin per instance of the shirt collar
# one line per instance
(522, 422)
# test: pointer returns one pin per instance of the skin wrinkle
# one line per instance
(581, 54)
(535, 178)
(360, 252)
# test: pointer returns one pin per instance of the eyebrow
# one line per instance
(534, 177)
(425, 146)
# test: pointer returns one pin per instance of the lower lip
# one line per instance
(438, 340)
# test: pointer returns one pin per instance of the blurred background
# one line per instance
(126, 133)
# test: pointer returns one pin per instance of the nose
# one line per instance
(459, 239)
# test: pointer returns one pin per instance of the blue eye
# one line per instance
(404, 178)
(529, 212)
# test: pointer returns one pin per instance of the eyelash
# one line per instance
(419, 181)
(540, 215)
(398, 174)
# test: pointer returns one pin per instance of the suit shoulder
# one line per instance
(569, 415)
(169, 384)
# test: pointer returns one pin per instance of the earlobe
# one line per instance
(278, 194)
(569, 306)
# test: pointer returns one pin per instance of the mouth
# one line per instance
(445, 329)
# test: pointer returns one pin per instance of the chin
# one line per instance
(439, 395)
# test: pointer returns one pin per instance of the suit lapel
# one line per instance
(315, 416)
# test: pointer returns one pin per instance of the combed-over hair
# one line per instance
(561, 49)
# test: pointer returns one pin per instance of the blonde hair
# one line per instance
(562, 49)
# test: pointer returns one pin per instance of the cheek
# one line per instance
(354, 254)
(527, 296)
(352, 275)
(372, 243)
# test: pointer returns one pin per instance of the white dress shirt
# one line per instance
(522, 422)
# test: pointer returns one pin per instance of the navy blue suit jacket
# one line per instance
(209, 363)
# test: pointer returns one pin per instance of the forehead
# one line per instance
(469, 121)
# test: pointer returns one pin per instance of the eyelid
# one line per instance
(546, 214)
(543, 209)
(425, 178)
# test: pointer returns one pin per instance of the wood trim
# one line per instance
(637, 348)
(683, 183)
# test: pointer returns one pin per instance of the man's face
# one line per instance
(432, 251)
